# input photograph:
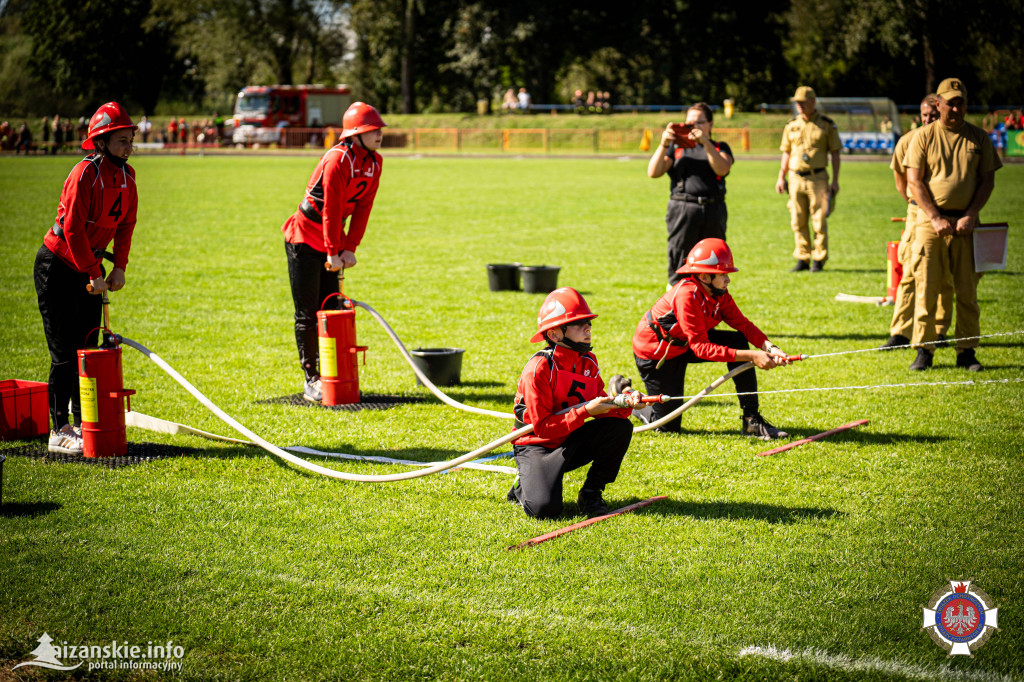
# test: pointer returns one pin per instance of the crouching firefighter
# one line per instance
(680, 329)
(559, 390)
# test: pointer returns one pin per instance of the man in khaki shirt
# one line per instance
(808, 142)
(951, 167)
(901, 326)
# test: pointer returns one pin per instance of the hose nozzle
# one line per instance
(621, 399)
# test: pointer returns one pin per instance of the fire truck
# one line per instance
(261, 111)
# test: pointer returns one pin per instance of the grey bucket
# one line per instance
(539, 279)
(443, 366)
(503, 276)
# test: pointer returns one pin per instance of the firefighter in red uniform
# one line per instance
(560, 387)
(680, 329)
(99, 203)
(343, 186)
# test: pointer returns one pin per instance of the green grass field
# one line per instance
(262, 571)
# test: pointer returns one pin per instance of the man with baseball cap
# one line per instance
(902, 324)
(951, 167)
(808, 142)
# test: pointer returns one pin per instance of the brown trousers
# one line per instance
(903, 307)
(933, 260)
(808, 208)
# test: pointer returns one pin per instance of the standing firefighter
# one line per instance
(680, 329)
(808, 142)
(99, 203)
(951, 166)
(343, 186)
(901, 326)
(559, 389)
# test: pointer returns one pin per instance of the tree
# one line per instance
(236, 43)
(128, 65)
(903, 48)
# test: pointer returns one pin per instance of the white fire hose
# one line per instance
(423, 377)
(160, 425)
(508, 415)
(298, 461)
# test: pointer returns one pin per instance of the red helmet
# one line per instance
(709, 255)
(562, 306)
(108, 118)
(360, 118)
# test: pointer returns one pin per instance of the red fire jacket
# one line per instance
(344, 184)
(99, 203)
(680, 321)
(553, 380)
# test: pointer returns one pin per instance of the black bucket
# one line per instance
(539, 279)
(503, 276)
(443, 366)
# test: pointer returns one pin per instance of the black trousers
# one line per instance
(602, 441)
(670, 379)
(71, 316)
(687, 223)
(311, 283)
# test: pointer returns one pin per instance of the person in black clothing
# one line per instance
(697, 166)
(24, 140)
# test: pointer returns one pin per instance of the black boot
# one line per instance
(895, 341)
(967, 360)
(922, 362)
(591, 503)
(757, 426)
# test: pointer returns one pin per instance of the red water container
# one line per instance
(100, 383)
(339, 371)
(893, 269)
(25, 411)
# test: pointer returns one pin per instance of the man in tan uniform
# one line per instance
(951, 167)
(901, 327)
(808, 141)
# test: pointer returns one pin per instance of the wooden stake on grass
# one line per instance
(589, 522)
(790, 446)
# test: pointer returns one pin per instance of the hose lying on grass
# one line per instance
(144, 421)
(309, 466)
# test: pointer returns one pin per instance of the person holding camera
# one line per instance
(697, 166)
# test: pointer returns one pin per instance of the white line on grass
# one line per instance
(873, 664)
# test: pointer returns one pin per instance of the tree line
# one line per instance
(412, 56)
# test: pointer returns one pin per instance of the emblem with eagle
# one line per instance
(960, 618)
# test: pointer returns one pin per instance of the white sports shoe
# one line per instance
(67, 440)
(311, 391)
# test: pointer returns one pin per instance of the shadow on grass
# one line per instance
(866, 271)
(472, 399)
(854, 436)
(738, 510)
(476, 384)
(15, 509)
(422, 455)
(880, 337)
